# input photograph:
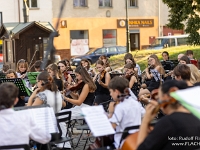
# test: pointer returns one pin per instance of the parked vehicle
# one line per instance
(93, 55)
(169, 41)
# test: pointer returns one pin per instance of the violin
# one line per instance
(101, 75)
(75, 87)
(128, 75)
(65, 74)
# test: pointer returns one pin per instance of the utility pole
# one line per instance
(127, 30)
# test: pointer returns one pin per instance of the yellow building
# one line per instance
(102, 23)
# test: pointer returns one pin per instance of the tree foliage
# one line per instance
(185, 14)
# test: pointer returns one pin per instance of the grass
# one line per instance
(117, 61)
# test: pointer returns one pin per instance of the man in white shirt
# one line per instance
(127, 112)
(16, 127)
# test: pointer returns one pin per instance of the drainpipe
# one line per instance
(19, 10)
(26, 11)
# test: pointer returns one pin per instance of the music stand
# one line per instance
(23, 90)
(32, 76)
(112, 75)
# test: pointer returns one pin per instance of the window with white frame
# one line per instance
(32, 3)
(105, 3)
(133, 3)
(80, 3)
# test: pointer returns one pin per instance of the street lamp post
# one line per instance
(127, 30)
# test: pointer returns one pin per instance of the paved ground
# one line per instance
(77, 135)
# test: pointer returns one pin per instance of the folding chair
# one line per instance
(83, 128)
(56, 138)
(24, 146)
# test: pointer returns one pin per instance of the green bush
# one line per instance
(141, 56)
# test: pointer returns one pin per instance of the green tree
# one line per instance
(184, 14)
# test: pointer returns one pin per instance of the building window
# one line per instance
(133, 3)
(105, 3)
(109, 37)
(80, 3)
(32, 3)
(79, 42)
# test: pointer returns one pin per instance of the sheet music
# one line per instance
(45, 119)
(97, 121)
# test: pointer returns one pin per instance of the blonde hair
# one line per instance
(157, 61)
(22, 62)
(56, 71)
(195, 74)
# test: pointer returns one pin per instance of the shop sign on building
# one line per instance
(136, 23)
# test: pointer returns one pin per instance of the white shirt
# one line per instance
(126, 114)
(26, 80)
(17, 127)
(48, 97)
(139, 70)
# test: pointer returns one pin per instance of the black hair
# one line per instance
(173, 83)
(47, 82)
(9, 93)
(118, 83)
(165, 52)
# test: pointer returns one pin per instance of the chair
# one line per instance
(83, 127)
(24, 146)
(56, 137)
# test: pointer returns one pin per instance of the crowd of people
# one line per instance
(124, 97)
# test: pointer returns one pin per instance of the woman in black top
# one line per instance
(179, 126)
(132, 77)
(84, 94)
(101, 80)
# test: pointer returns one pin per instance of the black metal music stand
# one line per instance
(23, 90)
(112, 75)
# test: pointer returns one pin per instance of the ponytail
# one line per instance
(47, 82)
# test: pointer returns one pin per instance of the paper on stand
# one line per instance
(44, 117)
(97, 121)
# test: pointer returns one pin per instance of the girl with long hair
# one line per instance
(86, 64)
(106, 63)
(101, 80)
(22, 68)
(63, 68)
(131, 75)
(195, 74)
(83, 94)
(55, 73)
(46, 93)
(128, 58)
(154, 72)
